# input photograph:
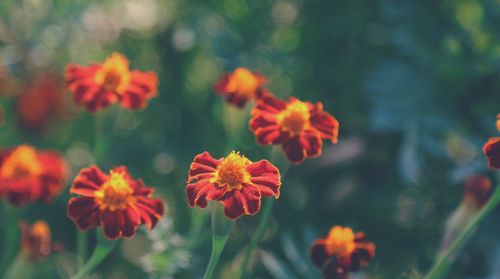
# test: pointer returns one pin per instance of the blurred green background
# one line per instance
(414, 84)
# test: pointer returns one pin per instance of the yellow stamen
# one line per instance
(295, 118)
(232, 173)
(340, 241)
(242, 82)
(23, 161)
(116, 193)
(114, 74)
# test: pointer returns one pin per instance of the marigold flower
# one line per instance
(492, 151)
(341, 251)
(240, 86)
(42, 101)
(236, 182)
(116, 201)
(298, 126)
(498, 122)
(100, 85)
(36, 242)
(28, 175)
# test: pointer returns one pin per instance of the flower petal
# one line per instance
(84, 212)
(299, 148)
(325, 123)
(88, 181)
(239, 202)
(319, 256)
(150, 211)
(266, 177)
(142, 87)
(203, 166)
(492, 151)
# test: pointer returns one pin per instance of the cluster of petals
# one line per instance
(341, 252)
(235, 181)
(99, 85)
(299, 127)
(115, 201)
(240, 86)
(29, 175)
(36, 241)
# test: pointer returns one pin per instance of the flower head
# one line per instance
(42, 101)
(29, 175)
(36, 241)
(341, 251)
(498, 122)
(298, 126)
(240, 86)
(236, 182)
(116, 201)
(100, 85)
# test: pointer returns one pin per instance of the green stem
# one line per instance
(221, 227)
(101, 251)
(444, 262)
(82, 245)
(259, 233)
(11, 238)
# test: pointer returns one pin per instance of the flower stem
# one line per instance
(221, 227)
(101, 251)
(266, 213)
(444, 262)
(82, 245)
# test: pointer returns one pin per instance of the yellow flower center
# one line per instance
(232, 173)
(116, 193)
(242, 82)
(340, 241)
(114, 74)
(22, 162)
(295, 118)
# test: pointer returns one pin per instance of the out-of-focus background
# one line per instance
(414, 84)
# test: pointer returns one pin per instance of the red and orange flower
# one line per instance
(42, 101)
(492, 149)
(341, 251)
(477, 190)
(116, 201)
(240, 86)
(28, 175)
(298, 126)
(236, 182)
(36, 241)
(100, 85)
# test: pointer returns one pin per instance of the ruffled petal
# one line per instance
(88, 181)
(325, 123)
(266, 177)
(269, 104)
(203, 167)
(143, 86)
(119, 223)
(492, 151)
(84, 212)
(150, 211)
(239, 202)
(197, 193)
(299, 148)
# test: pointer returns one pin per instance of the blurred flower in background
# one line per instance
(36, 241)
(240, 86)
(28, 175)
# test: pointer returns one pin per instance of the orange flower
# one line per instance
(42, 101)
(342, 251)
(28, 175)
(116, 201)
(240, 86)
(236, 182)
(36, 242)
(477, 190)
(100, 85)
(298, 126)
(492, 151)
